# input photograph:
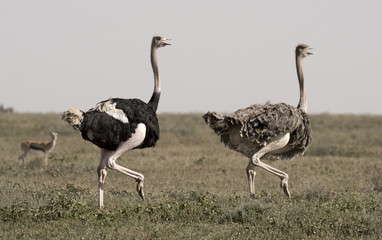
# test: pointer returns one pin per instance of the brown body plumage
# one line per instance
(259, 124)
(271, 131)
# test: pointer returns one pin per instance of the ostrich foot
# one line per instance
(140, 189)
(284, 186)
(252, 195)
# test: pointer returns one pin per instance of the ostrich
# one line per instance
(117, 125)
(271, 131)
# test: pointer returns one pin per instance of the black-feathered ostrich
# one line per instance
(117, 125)
(271, 131)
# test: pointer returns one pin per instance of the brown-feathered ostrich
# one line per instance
(117, 125)
(271, 131)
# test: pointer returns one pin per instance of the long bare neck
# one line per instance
(157, 86)
(302, 103)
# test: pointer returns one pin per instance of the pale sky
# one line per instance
(225, 55)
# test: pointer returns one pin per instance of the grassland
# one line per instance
(195, 188)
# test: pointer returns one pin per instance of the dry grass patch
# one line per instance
(196, 188)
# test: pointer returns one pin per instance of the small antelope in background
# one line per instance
(44, 147)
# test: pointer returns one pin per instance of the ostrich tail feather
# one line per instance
(215, 121)
(74, 117)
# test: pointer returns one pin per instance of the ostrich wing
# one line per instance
(261, 123)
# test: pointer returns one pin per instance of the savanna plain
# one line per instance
(195, 187)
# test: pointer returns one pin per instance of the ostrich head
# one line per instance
(302, 50)
(159, 41)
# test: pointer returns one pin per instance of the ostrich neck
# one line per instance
(157, 87)
(154, 64)
(302, 104)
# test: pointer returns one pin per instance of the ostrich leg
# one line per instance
(275, 144)
(109, 158)
(251, 174)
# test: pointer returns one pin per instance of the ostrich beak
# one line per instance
(310, 52)
(166, 39)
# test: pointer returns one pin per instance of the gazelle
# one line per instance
(44, 147)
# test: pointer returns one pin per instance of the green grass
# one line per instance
(195, 188)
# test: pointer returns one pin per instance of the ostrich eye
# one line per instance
(158, 38)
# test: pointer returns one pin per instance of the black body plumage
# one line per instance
(108, 132)
(154, 100)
